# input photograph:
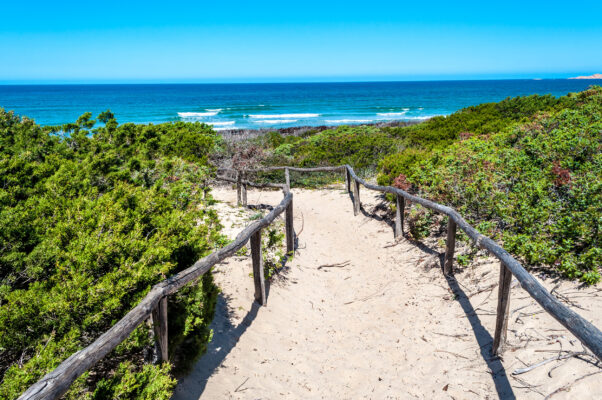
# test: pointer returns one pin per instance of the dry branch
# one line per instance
(337, 265)
(549, 360)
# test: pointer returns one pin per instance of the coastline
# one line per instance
(243, 134)
(270, 106)
(590, 77)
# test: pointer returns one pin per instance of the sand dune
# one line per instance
(384, 325)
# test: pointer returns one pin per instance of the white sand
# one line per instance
(387, 326)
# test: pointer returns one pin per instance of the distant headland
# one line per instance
(594, 76)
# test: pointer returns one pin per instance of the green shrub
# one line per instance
(525, 171)
(536, 186)
(420, 221)
(152, 383)
(403, 162)
(273, 249)
(89, 221)
(416, 142)
(360, 146)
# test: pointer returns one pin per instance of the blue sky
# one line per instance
(282, 41)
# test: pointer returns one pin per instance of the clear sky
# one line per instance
(267, 41)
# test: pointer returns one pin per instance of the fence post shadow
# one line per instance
(225, 338)
(373, 215)
(484, 339)
(380, 218)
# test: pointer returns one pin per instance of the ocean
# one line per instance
(273, 105)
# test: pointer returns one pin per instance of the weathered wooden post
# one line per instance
(258, 276)
(287, 178)
(160, 328)
(356, 197)
(451, 246)
(401, 205)
(503, 307)
(348, 180)
(238, 188)
(290, 229)
(244, 189)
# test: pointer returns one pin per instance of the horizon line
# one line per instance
(252, 82)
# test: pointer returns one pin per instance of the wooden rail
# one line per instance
(56, 383)
(154, 304)
(584, 330)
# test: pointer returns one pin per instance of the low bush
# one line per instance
(536, 186)
(90, 219)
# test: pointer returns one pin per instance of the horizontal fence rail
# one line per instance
(154, 304)
(56, 383)
(584, 330)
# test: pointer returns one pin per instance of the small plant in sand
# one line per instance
(273, 249)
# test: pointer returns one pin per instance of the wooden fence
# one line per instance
(154, 304)
(584, 330)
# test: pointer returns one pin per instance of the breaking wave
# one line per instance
(275, 121)
(421, 118)
(271, 116)
(197, 114)
(392, 114)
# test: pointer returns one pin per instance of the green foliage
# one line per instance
(399, 163)
(152, 383)
(359, 146)
(89, 221)
(397, 150)
(191, 311)
(418, 141)
(536, 186)
(46, 356)
(526, 171)
(272, 249)
(356, 145)
(419, 221)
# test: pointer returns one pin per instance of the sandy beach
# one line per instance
(358, 315)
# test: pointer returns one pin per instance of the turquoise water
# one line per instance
(253, 106)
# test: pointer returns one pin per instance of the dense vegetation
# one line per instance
(395, 150)
(536, 186)
(526, 171)
(90, 219)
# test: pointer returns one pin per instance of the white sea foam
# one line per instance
(420, 118)
(348, 121)
(224, 128)
(214, 109)
(197, 114)
(271, 116)
(275, 121)
(392, 114)
(221, 123)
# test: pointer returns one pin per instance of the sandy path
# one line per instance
(387, 326)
